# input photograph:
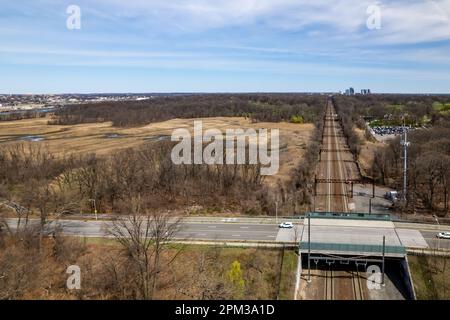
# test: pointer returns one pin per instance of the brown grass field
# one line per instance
(93, 137)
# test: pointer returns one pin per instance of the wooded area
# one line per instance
(258, 107)
(429, 151)
(42, 183)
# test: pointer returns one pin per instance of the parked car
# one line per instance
(443, 235)
(286, 225)
(390, 130)
(391, 195)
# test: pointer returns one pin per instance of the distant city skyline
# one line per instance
(205, 46)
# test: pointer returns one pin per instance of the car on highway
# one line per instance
(286, 225)
(443, 235)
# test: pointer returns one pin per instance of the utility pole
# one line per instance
(309, 247)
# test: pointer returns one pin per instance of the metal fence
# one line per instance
(352, 216)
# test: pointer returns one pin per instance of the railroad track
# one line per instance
(358, 289)
(329, 284)
(332, 167)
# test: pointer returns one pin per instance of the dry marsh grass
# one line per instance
(104, 139)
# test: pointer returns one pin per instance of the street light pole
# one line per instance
(95, 208)
(439, 238)
(276, 211)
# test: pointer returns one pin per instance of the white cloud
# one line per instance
(403, 21)
(419, 21)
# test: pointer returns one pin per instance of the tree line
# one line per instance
(349, 119)
(41, 182)
(20, 115)
(378, 106)
(428, 168)
(257, 107)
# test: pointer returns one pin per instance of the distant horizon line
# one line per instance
(222, 92)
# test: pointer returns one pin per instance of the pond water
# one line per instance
(32, 138)
(157, 138)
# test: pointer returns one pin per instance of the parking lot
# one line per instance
(395, 130)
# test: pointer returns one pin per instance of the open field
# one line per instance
(104, 139)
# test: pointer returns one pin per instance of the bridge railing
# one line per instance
(347, 247)
(350, 216)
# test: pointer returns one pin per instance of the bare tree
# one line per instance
(143, 237)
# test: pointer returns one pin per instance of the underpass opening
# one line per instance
(353, 278)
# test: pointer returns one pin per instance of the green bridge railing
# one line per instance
(346, 247)
(352, 216)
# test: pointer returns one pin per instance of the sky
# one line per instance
(141, 46)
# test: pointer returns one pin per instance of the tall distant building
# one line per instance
(350, 91)
(365, 91)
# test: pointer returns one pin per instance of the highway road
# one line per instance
(223, 231)
(186, 231)
(234, 230)
(433, 241)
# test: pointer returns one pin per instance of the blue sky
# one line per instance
(224, 46)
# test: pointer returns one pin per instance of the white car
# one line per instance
(443, 235)
(287, 225)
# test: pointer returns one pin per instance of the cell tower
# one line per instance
(405, 143)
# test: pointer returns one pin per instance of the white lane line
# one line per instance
(201, 234)
(243, 227)
(270, 236)
(212, 226)
(235, 235)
